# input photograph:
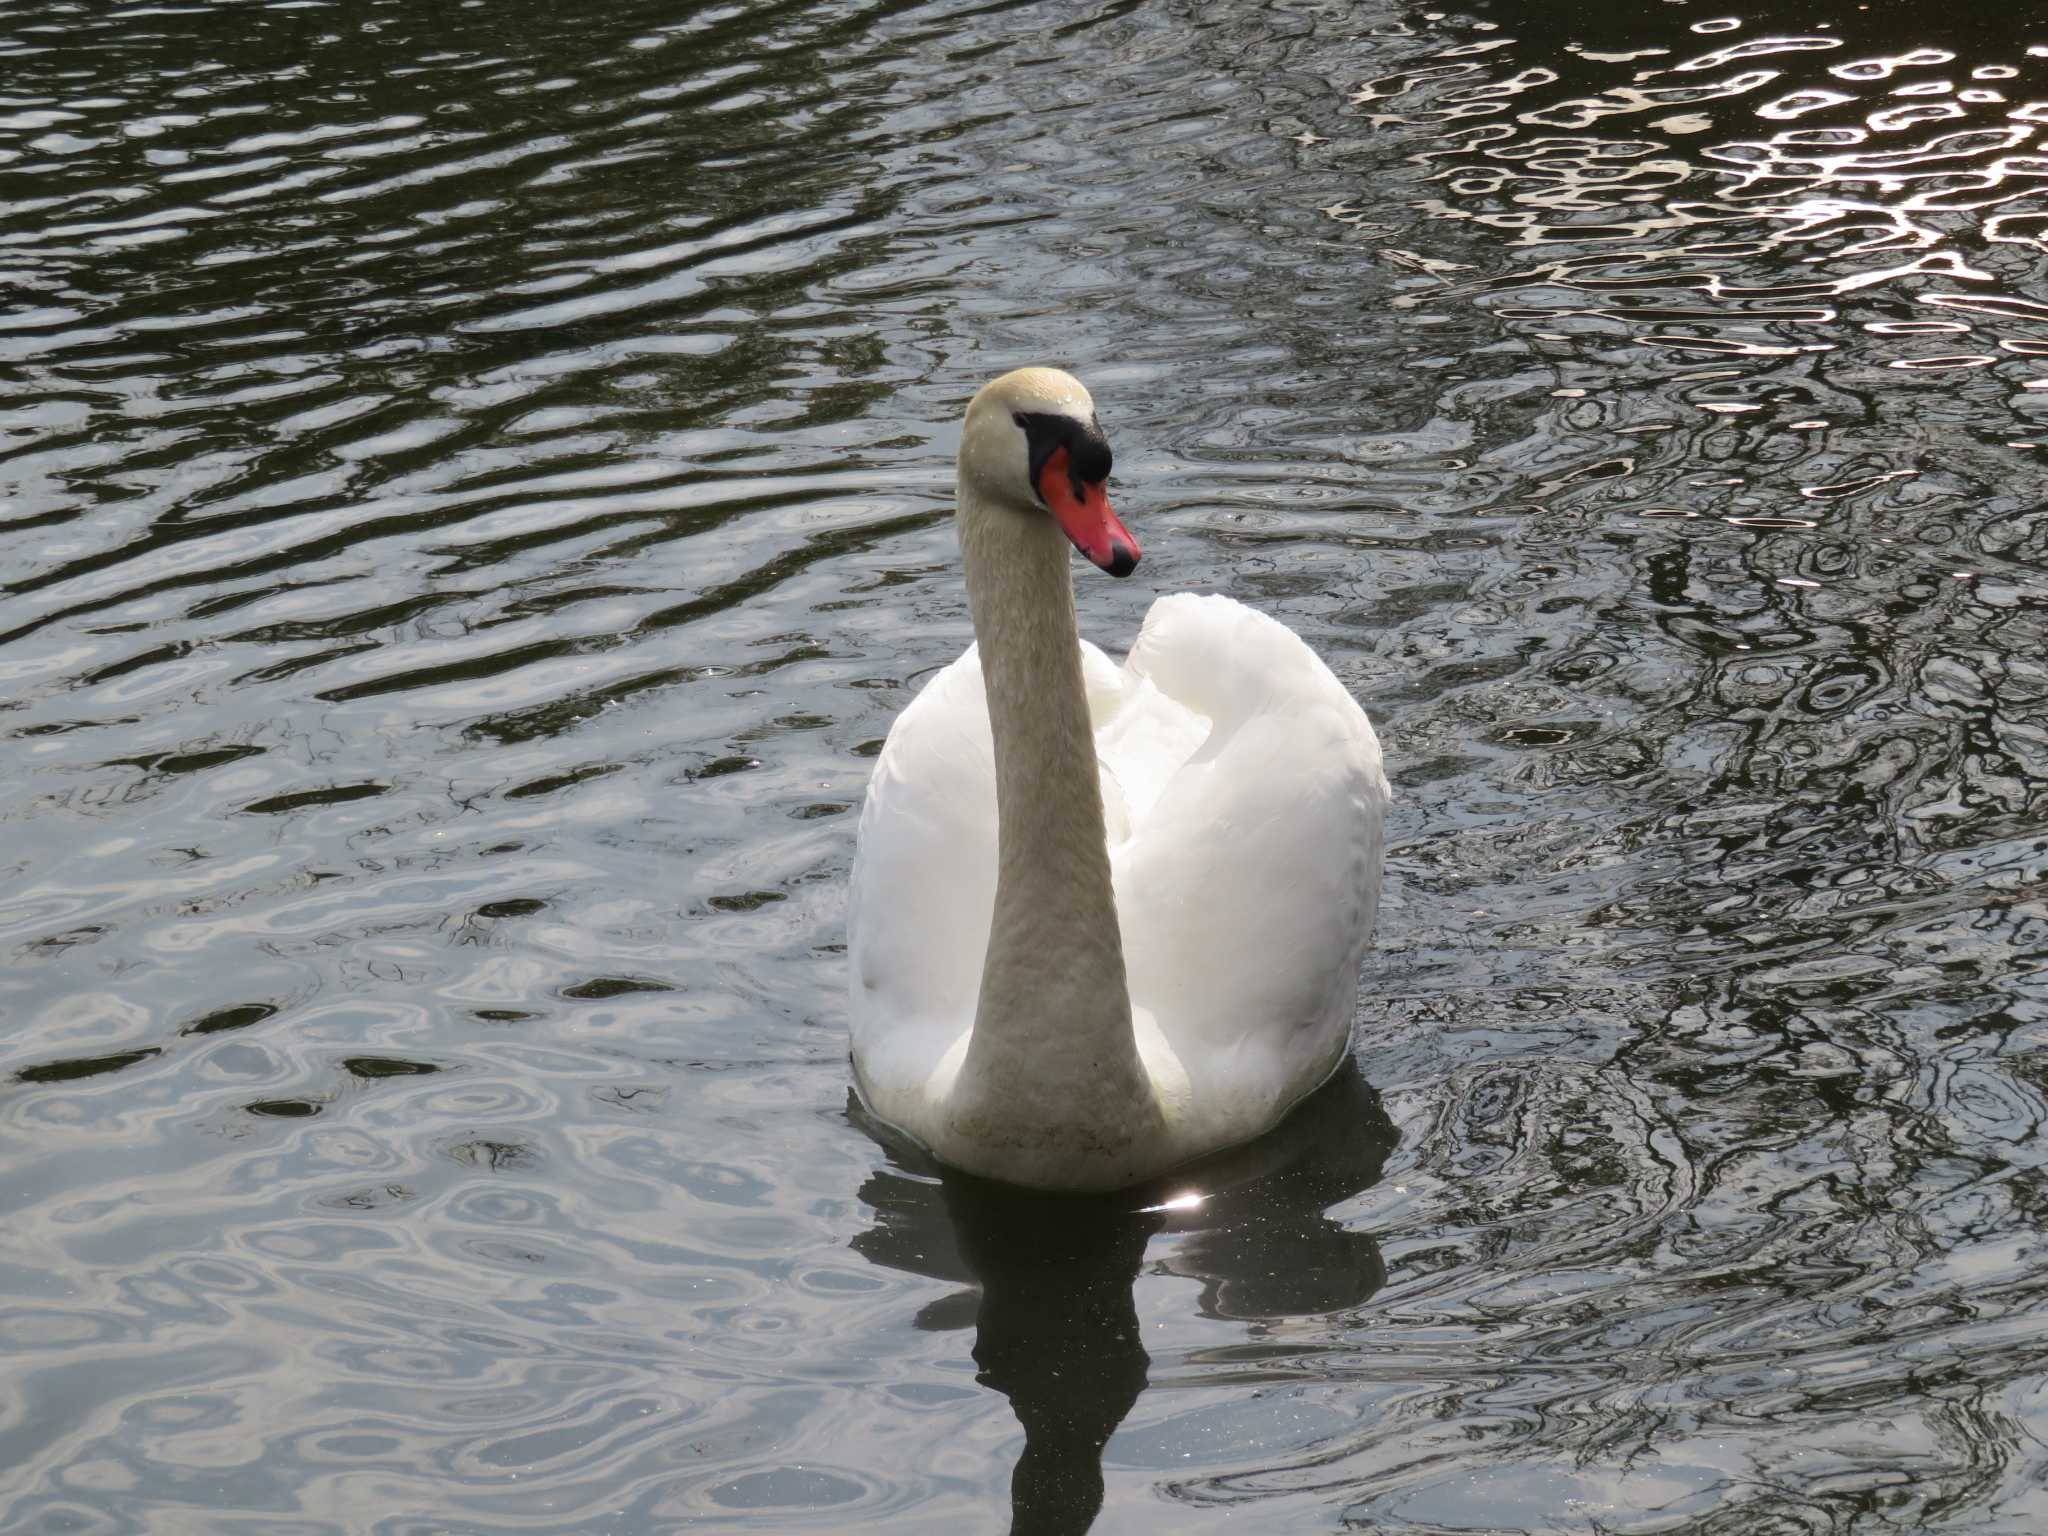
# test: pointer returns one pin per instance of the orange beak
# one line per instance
(1082, 508)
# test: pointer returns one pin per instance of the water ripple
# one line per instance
(474, 488)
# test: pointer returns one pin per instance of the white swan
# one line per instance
(1104, 920)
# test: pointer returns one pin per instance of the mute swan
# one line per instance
(1104, 920)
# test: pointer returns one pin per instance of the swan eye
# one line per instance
(1046, 432)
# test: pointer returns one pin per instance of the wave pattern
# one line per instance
(472, 498)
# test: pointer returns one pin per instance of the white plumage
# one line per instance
(1241, 807)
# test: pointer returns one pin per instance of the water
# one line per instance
(473, 494)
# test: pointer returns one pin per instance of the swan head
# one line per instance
(1032, 447)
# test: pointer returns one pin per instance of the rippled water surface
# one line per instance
(473, 494)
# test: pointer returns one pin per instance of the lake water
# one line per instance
(474, 490)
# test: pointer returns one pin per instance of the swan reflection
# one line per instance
(1049, 1276)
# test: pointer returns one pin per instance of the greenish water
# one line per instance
(473, 494)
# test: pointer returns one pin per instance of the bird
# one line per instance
(1103, 920)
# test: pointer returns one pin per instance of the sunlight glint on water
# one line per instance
(473, 491)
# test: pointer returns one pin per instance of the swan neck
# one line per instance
(1054, 1008)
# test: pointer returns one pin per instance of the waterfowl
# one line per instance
(1104, 920)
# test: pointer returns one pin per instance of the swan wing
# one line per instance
(924, 880)
(1248, 883)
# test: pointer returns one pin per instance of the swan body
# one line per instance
(1105, 919)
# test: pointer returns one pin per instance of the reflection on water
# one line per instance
(1056, 1329)
(1668, 188)
(473, 492)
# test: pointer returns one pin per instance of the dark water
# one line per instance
(473, 494)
